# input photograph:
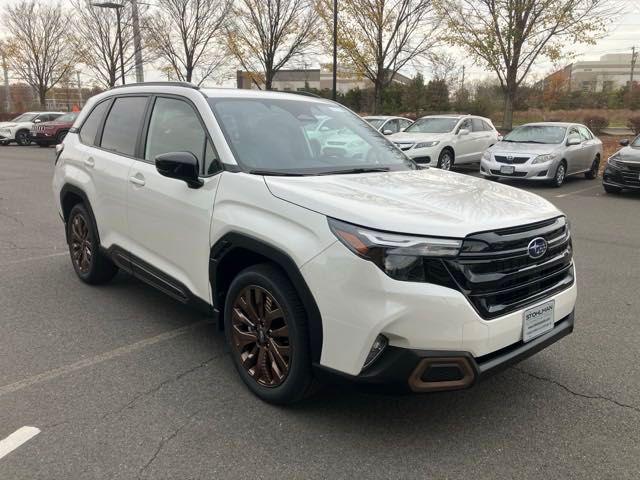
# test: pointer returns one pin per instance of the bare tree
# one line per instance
(264, 35)
(95, 40)
(187, 35)
(380, 37)
(509, 36)
(38, 47)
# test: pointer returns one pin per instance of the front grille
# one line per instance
(497, 275)
(514, 174)
(631, 178)
(505, 159)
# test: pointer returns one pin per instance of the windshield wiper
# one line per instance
(277, 173)
(355, 170)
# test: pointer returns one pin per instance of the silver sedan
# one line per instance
(546, 151)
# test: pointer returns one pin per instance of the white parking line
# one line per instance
(31, 259)
(103, 357)
(578, 191)
(17, 438)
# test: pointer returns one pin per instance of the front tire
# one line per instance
(61, 136)
(446, 159)
(266, 330)
(90, 264)
(561, 174)
(22, 138)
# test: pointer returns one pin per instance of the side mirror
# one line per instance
(37, 120)
(500, 137)
(463, 131)
(387, 132)
(181, 166)
(625, 142)
(573, 140)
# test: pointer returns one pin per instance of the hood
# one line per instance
(8, 124)
(54, 123)
(417, 137)
(629, 154)
(423, 202)
(530, 148)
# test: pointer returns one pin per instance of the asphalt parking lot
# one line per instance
(123, 382)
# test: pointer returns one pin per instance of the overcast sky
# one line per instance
(621, 35)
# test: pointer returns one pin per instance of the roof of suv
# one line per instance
(552, 124)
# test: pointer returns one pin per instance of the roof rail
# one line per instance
(159, 84)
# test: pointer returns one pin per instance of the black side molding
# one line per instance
(237, 242)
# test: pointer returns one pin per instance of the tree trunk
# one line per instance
(377, 96)
(189, 73)
(42, 94)
(268, 79)
(507, 119)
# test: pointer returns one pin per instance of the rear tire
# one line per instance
(595, 167)
(90, 264)
(611, 189)
(266, 330)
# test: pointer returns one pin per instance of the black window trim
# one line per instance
(142, 139)
(98, 134)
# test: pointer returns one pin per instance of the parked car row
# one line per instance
(43, 128)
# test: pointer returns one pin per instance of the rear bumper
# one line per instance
(419, 371)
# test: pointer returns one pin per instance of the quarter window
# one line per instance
(92, 123)
(123, 124)
(175, 127)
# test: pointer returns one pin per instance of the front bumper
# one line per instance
(426, 156)
(524, 171)
(614, 177)
(7, 135)
(420, 371)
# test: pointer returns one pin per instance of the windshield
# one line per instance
(25, 117)
(636, 142)
(536, 134)
(433, 125)
(67, 117)
(301, 137)
(375, 122)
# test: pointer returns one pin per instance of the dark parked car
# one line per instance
(623, 168)
(53, 132)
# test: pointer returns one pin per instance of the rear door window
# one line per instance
(90, 126)
(123, 125)
(477, 125)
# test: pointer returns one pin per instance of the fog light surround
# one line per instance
(379, 344)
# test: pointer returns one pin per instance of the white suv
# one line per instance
(442, 140)
(19, 129)
(317, 263)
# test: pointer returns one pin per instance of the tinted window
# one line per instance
(174, 127)
(92, 123)
(123, 123)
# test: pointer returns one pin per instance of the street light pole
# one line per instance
(137, 44)
(335, 48)
(116, 7)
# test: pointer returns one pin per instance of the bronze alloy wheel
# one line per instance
(261, 336)
(81, 250)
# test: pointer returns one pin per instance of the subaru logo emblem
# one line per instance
(537, 247)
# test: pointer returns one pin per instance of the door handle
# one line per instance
(89, 162)
(137, 179)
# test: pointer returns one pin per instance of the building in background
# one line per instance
(610, 72)
(317, 78)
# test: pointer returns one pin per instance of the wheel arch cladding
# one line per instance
(234, 252)
(70, 196)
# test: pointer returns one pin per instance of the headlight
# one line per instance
(543, 158)
(615, 160)
(403, 257)
(486, 155)
(426, 144)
